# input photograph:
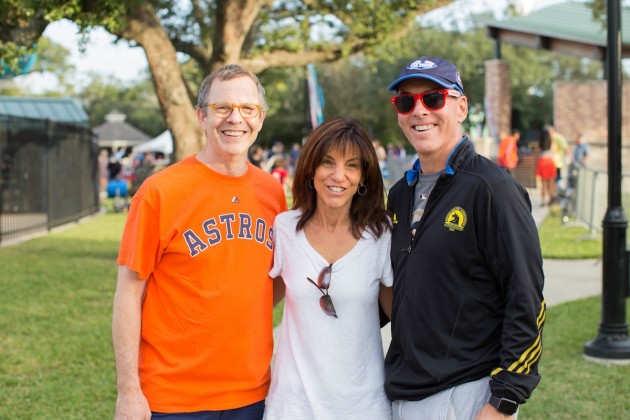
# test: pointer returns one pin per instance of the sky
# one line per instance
(128, 64)
(103, 56)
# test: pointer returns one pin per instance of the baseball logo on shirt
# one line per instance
(455, 219)
(229, 226)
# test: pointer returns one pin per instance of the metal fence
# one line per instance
(48, 175)
(591, 200)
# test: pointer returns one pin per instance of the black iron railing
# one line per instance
(48, 175)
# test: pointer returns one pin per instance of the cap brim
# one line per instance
(394, 85)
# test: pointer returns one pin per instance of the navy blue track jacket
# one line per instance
(468, 299)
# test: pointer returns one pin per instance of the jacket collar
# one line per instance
(453, 161)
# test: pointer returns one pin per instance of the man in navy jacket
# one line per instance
(468, 307)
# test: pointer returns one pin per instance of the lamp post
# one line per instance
(612, 342)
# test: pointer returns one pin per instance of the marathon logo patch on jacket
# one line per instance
(455, 219)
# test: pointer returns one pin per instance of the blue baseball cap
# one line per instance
(436, 69)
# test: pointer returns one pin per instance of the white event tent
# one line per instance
(162, 143)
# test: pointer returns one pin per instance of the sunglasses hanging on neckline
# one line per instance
(323, 283)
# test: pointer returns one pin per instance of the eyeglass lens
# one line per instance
(434, 100)
(224, 110)
(323, 283)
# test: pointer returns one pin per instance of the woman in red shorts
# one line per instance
(546, 170)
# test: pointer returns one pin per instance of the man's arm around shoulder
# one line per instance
(126, 325)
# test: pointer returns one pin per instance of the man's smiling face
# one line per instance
(432, 133)
(231, 136)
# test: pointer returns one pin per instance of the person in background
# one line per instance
(256, 155)
(114, 168)
(192, 316)
(381, 153)
(294, 155)
(579, 157)
(546, 171)
(151, 164)
(103, 172)
(280, 171)
(277, 149)
(580, 151)
(507, 156)
(477, 119)
(560, 149)
(332, 258)
(468, 308)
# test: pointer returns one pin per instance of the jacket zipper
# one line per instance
(410, 194)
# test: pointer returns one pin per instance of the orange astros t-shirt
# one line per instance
(203, 242)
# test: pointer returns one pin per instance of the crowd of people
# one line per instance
(122, 171)
(450, 257)
(557, 162)
(276, 161)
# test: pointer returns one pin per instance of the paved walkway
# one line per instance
(567, 280)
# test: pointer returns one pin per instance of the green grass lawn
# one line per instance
(564, 241)
(567, 241)
(56, 358)
(571, 387)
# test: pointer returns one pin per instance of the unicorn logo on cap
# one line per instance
(422, 65)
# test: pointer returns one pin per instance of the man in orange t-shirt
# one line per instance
(192, 316)
(507, 156)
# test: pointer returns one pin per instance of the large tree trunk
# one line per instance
(179, 113)
(234, 19)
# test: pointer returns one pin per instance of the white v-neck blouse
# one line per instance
(326, 367)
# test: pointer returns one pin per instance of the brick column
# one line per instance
(498, 98)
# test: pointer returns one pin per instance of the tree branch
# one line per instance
(289, 59)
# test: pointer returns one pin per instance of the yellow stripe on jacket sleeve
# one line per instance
(532, 353)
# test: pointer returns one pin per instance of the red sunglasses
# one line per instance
(431, 99)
